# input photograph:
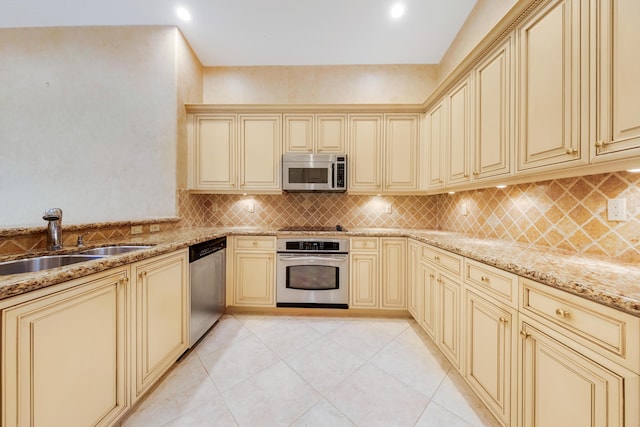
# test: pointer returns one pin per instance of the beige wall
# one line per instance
(484, 16)
(344, 84)
(189, 85)
(88, 123)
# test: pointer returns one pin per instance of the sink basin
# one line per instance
(30, 265)
(113, 250)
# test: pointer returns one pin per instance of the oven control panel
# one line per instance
(312, 245)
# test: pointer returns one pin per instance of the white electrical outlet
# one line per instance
(463, 209)
(136, 229)
(617, 209)
(387, 208)
(154, 228)
(251, 207)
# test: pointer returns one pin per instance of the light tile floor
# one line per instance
(258, 370)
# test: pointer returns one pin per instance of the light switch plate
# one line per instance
(154, 228)
(617, 209)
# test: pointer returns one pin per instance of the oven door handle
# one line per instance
(312, 258)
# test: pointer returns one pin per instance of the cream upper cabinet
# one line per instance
(160, 307)
(298, 133)
(552, 85)
(616, 67)
(458, 146)
(254, 271)
(435, 137)
(331, 133)
(260, 152)
(315, 133)
(64, 355)
(212, 152)
(494, 106)
(365, 153)
(401, 153)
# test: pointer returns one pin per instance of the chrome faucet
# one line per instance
(54, 230)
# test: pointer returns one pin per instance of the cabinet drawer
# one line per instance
(443, 259)
(607, 331)
(364, 244)
(255, 242)
(492, 281)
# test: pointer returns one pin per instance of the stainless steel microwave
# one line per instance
(314, 172)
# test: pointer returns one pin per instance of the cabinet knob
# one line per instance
(432, 275)
(484, 279)
(563, 313)
(436, 257)
(571, 151)
(254, 243)
(143, 274)
(503, 320)
(524, 335)
(476, 173)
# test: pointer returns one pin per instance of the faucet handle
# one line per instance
(81, 239)
(53, 214)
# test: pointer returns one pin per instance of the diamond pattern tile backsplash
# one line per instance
(566, 214)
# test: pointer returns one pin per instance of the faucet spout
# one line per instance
(54, 229)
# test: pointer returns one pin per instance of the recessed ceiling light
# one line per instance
(183, 14)
(397, 10)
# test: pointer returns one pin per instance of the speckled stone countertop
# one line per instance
(601, 280)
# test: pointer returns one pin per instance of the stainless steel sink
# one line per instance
(113, 250)
(30, 265)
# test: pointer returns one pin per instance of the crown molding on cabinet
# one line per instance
(303, 108)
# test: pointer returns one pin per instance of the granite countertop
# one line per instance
(601, 280)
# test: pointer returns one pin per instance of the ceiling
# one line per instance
(272, 32)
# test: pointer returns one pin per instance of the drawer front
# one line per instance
(492, 281)
(607, 331)
(255, 242)
(443, 259)
(364, 244)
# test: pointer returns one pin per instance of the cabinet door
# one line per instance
(449, 335)
(161, 312)
(331, 133)
(64, 355)
(254, 278)
(413, 279)
(617, 94)
(212, 152)
(562, 387)
(401, 152)
(490, 358)
(364, 280)
(459, 131)
(550, 87)
(260, 153)
(298, 133)
(428, 298)
(435, 133)
(394, 273)
(365, 144)
(494, 114)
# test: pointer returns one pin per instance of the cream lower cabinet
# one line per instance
(254, 271)
(160, 312)
(377, 270)
(64, 355)
(442, 302)
(413, 278)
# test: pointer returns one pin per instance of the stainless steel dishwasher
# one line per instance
(207, 268)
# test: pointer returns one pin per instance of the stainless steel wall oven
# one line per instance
(312, 272)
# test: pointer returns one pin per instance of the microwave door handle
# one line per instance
(333, 175)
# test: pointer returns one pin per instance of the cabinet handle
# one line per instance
(484, 279)
(436, 257)
(503, 320)
(476, 173)
(143, 274)
(432, 275)
(571, 151)
(563, 313)
(524, 335)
